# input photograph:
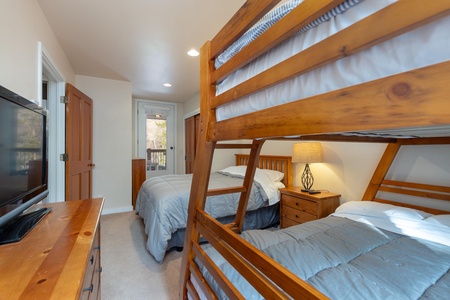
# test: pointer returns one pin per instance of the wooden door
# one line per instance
(79, 163)
(191, 127)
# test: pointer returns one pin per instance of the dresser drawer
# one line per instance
(303, 205)
(296, 215)
(90, 287)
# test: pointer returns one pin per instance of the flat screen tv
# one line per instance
(23, 165)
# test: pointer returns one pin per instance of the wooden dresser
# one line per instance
(59, 258)
(299, 207)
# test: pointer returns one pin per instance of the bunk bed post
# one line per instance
(381, 171)
(202, 166)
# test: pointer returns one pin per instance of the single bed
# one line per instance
(373, 79)
(162, 201)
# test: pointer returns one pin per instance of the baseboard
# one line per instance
(116, 210)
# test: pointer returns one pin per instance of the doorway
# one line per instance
(155, 136)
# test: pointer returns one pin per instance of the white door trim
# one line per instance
(56, 122)
(139, 151)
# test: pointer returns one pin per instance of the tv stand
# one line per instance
(16, 229)
(59, 258)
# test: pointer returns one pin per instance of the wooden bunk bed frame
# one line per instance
(416, 98)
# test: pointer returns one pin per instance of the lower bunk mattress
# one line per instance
(347, 259)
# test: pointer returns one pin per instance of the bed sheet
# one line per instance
(346, 259)
(163, 201)
(421, 47)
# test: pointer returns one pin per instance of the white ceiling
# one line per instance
(141, 41)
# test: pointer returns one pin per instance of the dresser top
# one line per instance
(50, 261)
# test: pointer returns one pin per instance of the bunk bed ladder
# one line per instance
(199, 192)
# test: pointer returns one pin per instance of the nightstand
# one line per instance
(299, 207)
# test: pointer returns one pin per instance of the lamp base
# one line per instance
(310, 191)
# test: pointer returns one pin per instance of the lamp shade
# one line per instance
(310, 152)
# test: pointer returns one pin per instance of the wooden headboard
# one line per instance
(279, 163)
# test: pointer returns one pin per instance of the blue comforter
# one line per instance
(345, 259)
(163, 202)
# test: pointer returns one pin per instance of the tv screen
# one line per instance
(23, 154)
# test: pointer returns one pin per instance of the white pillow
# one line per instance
(276, 176)
(279, 185)
(439, 219)
(376, 209)
(266, 182)
(234, 170)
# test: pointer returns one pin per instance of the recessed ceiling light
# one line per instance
(167, 84)
(193, 52)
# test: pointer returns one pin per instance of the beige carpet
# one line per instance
(129, 270)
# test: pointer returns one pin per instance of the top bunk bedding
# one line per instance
(409, 51)
(423, 46)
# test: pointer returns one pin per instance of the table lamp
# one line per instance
(308, 152)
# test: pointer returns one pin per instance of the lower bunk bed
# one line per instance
(371, 249)
(162, 201)
(365, 250)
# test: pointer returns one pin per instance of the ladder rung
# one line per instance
(223, 191)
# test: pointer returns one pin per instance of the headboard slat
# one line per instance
(272, 162)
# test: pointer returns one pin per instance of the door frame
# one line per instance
(56, 122)
(138, 105)
(188, 115)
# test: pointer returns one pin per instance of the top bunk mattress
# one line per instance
(418, 48)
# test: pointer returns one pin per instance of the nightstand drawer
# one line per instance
(285, 222)
(299, 207)
(296, 215)
(306, 206)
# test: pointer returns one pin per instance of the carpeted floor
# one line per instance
(129, 271)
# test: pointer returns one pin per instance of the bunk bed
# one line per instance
(337, 89)
(162, 201)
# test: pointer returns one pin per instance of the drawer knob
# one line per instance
(89, 289)
(296, 216)
(92, 259)
(296, 203)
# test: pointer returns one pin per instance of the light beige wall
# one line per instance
(22, 26)
(348, 167)
(192, 104)
(112, 149)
